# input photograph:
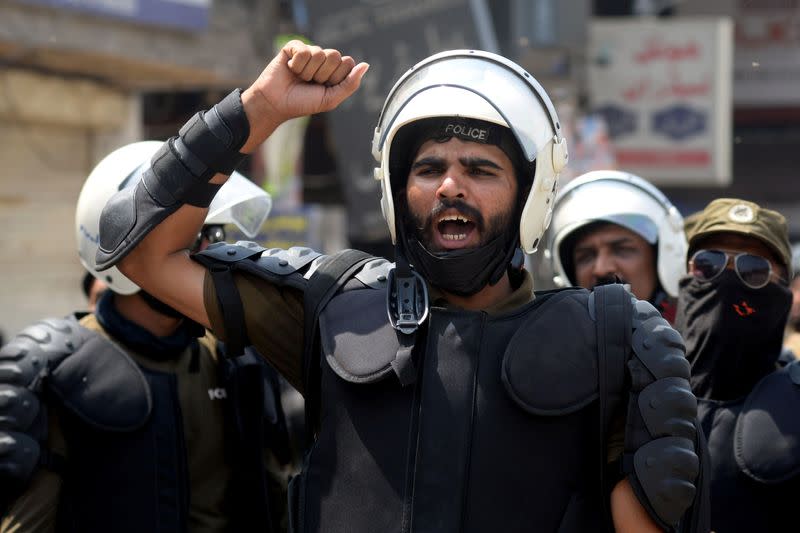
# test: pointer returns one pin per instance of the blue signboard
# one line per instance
(181, 14)
(620, 120)
(679, 122)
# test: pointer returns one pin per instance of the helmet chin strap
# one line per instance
(158, 306)
(460, 272)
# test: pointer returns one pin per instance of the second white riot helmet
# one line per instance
(477, 85)
(239, 201)
(628, 201)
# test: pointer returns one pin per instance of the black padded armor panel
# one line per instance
(660, 428)
(19, 457)
(767, 432)
(19, 407)
(290, 267)
(89, 374)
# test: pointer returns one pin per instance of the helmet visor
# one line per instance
(241, 202)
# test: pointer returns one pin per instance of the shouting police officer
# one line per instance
(442, 395)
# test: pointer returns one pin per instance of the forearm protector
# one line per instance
(179, 174)
(660, 460)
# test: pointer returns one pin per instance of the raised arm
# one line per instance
(146, 230)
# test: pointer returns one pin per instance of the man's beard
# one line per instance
(423, 228)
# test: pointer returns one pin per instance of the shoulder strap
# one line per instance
(327, 279)
(612, 309)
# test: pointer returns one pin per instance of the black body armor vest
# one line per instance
(475, 443)
(126, 469)
(105, 469)
(442, 420)
(754, 446)
(138, 480)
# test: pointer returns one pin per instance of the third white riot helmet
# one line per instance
(628, 201)
(477, 85)
(239, 202)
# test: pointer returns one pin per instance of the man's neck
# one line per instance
(487, 297)
(134, 308)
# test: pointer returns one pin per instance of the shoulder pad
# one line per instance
(223, 252)
(19, 408)
(274, 264)
(375, 273)
(19, 458)
(39, 347)
(284, 262)
(90, 375)
(767, 434)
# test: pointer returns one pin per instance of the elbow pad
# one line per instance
(178, 174)
(661, 460)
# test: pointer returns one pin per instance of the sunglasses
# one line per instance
(753, 270)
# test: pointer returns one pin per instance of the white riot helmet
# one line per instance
(626, 200)
(239, 201)
(478, 85)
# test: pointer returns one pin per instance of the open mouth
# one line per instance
(455, 228)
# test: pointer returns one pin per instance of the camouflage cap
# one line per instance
(745, 218)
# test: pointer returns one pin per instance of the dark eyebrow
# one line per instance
(621, 240)
(478, 162)
(465, 161)
(613, 243)
(428, 161)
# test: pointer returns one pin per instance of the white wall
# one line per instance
(46, 154)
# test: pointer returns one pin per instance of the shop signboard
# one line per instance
(181, 14)
(664, 88)
(767, 61)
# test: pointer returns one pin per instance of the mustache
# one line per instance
(608, 280)
(459, 206)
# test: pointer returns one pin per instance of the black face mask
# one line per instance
(733, 333)
(461, 272)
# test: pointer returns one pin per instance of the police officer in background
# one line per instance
(144, 424)
(610, 225)
(92, 288)
(732, 309)
(441, 394)
(791, 341)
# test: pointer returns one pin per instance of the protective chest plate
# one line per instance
(549, 364)
(358, 346)
(767, 434)
(511, 386)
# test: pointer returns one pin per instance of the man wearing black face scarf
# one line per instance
(732, 309)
